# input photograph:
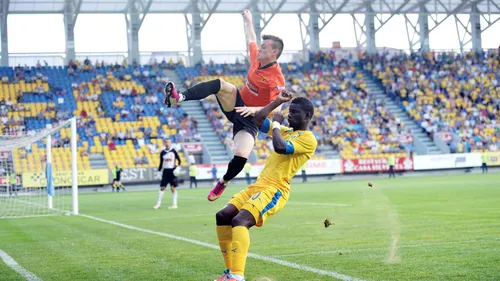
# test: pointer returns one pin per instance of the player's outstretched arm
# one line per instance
(262, 114)
(252, 111)
(249, 31)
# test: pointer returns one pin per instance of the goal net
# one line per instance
(38, 170)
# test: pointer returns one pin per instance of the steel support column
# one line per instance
(257, 19)
(201, 11)
(370, 29)
(133, 20)
(313, 30)
(136, 12)
(475, 22)
(196, 38)
(71, 9)
(423, 22)
(4, 11)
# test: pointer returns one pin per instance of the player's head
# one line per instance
(300, 113)
(270, 48)
(168, 143)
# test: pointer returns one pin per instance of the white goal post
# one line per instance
(39, 171)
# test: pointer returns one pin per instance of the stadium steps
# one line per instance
(98, 161)
(416, 130)
(216, 148)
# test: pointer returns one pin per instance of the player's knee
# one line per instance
(222, 218)
(244, 218)
(226, 87)
(243, 149)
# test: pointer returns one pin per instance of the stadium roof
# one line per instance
(265, 6)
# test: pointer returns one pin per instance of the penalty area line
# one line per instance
(215, 247)
(10, 262)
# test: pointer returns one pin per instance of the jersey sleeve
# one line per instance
(303, 144)
(267, 125)
(254, 49)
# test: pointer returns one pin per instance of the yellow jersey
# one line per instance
(281, 168)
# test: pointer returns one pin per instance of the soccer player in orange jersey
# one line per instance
(264, 83)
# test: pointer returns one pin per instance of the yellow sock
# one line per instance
(241, 243)
(225, 235)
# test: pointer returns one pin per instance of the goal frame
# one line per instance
(10, 143)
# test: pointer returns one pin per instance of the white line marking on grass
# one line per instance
(384, 248)
(167, 217)
(215, 247)
(319, 204)
(10, 262)
(28, 216)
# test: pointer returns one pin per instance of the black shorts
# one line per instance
(168, 178)
(240, 123)
(116, 180)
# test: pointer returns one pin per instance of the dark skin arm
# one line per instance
(278, 142)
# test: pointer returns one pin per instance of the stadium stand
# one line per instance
(118, 105)
(122, 116)
(451, 96)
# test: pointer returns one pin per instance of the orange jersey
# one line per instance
(263, 84)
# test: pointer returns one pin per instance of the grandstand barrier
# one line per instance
(370, 165)
(493, 158)
(447, 161)
(101, 177)
(85, 178)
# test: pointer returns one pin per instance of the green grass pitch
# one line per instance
(431, 228)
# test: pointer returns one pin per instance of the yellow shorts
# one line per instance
(262, 201)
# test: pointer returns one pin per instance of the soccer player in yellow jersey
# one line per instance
(253, 206)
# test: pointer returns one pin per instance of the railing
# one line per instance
(59, 59)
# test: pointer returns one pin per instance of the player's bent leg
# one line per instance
(244, 143)
(224, 218)
(225, 215)
(196, 92)
(241, 242)
(224, 231)
(227, 95)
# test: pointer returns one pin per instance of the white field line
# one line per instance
(167, 217)
(215, 247)
(10, 262)
(385, 248)
(319, 204)
(28, 216)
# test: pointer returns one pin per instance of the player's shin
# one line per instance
(234, 168)
(160, 197)
(174, 198)
(225, 236)
(241, 243)
(202, 90)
